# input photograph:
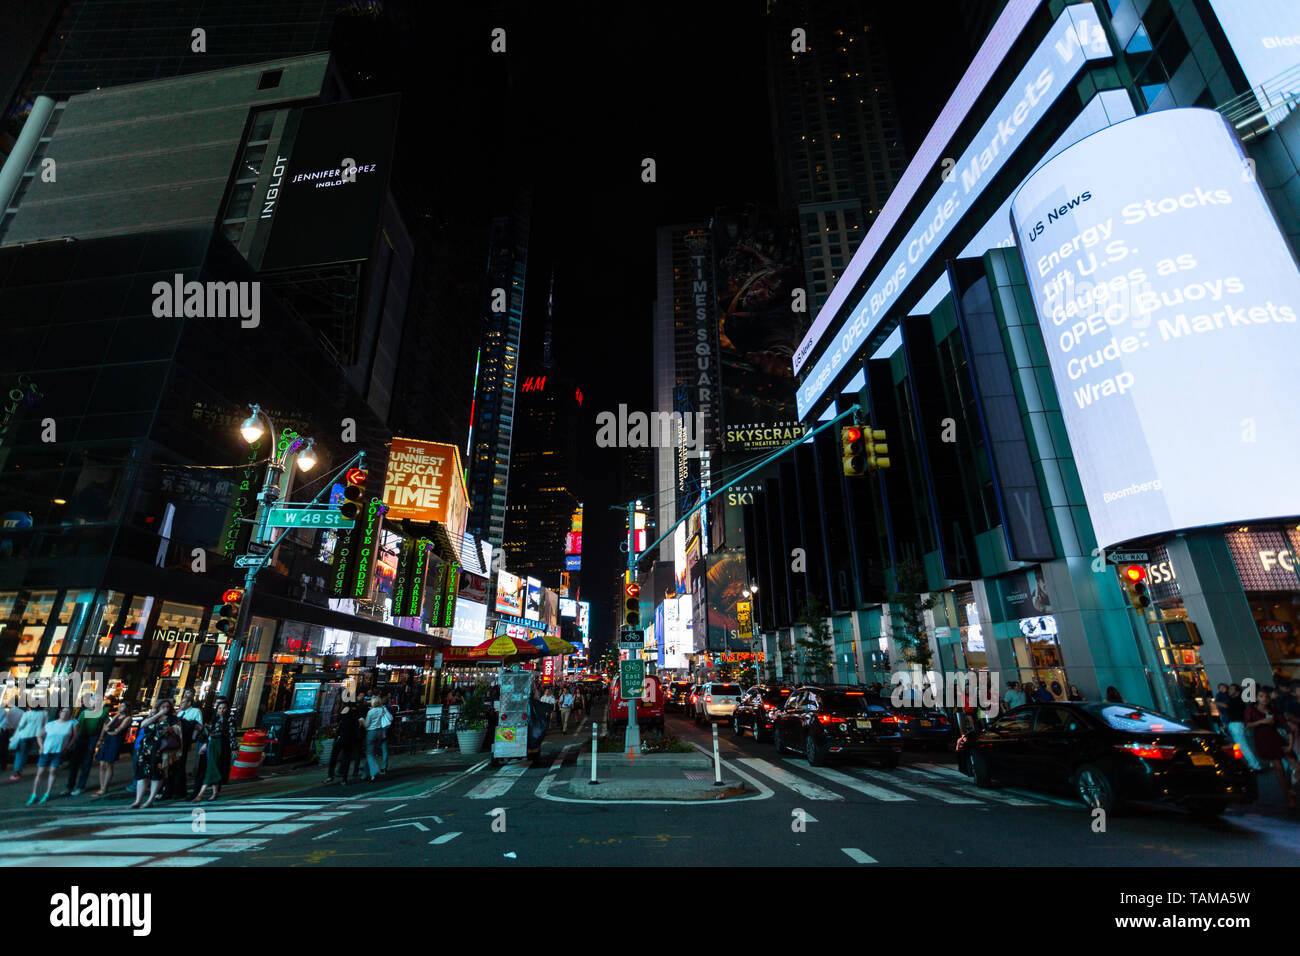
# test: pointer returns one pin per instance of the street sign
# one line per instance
(1127, 557)
(631, 679)
(631, 646)
(250, 561)
(289, 517)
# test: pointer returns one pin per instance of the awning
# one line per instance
(269, 605)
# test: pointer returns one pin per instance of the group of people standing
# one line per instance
(88, 737)
(1266, 729)
(358, 728)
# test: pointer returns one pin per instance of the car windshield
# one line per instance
(849, 702)
(1137, 720)
(726, 690)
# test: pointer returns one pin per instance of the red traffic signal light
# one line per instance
(854, 450)
(1135, 573)
(228, 616)
(633, 589)
(354, 492)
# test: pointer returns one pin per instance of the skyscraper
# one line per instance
(493, 410)
(544, 478)
(839, 149)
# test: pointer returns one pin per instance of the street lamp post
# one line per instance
(279, 472)
(756, 641)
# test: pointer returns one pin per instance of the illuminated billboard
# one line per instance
(568, 607)
(424, 482)
(317, 213)
(470, 626)
(1075, 38)
(511, 593)
(584, 618)
(1168, 301)
(533, 604)
(1265, 37)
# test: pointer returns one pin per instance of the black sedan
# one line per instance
(677, 695)
(925, 727)
(757, 708)
(833, 720)
(1106, 753)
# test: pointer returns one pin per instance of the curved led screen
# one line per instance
(1168, 298)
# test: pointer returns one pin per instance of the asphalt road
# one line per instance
(922, 814)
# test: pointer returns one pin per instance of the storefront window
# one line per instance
(1277, 616)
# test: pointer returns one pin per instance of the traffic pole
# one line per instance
(717, 761)
(593, 780)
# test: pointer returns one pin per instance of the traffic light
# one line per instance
(855, 458)
(354, 492)
(632, 606)
(228, 616)
(877, 450)
(1135, 583)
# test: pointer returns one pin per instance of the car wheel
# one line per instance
(778, 740)
(735, 726)
(813, 752)
(979, 766)
(889, 761)
(1094, 787)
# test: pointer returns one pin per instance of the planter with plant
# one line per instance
(471, 723)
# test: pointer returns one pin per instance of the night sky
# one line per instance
(571, 109)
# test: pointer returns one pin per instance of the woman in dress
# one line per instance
(1269, 728)
(109, 746)
(56, 739)
(219, 744)
(154, 757)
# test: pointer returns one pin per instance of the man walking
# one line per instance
(566, 709)
(90, 719)
(1235, 720)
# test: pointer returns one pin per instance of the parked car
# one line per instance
(833, 720)
(754, 712)
(925, 727)
(649, 708)
(1106, 753)
(716, 700)
(677, 695)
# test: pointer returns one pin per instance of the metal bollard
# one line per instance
(593, 780)
(717, 763)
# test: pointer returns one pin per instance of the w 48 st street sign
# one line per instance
(287, 516)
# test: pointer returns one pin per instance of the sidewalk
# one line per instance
(272, 780)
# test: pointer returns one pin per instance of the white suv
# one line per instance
(716, 700)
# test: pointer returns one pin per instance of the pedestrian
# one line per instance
(90, 721)
(383, 741)
(1234, 717)
(109, 747)
(1075, 693)
(347, 741)
(1015, 697)
(159, 738)
(1113, 696)
(29, 728)
(217, 744)
(1043, 695)
(566, 709)
(191, 723)
(8, 724)
(53, 743)
(1271, 743)
(377, 721)
(1292, 714)
(1221, 699)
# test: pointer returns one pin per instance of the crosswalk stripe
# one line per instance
(923, 789)
(446, 838)
(941, 770)
(856, 855)
(804, 788)
(992, 795)
(1034, 799)
(871, 790)
(499, 784)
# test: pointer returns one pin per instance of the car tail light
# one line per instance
(769, 706)
(1237, 753)
(942, 721)
(1150, 751)
(708, 698)
(825, 719)
(903, 719)
(889, 720)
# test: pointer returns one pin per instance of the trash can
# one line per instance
(249, 756)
